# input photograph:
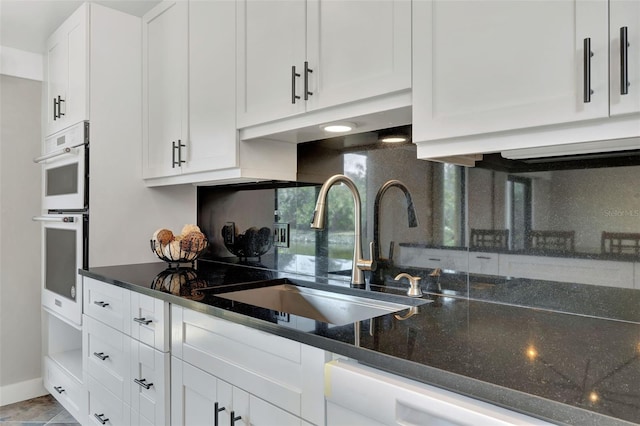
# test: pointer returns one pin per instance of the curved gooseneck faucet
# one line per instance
(411, 213)
(318, 222)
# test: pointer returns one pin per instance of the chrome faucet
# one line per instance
(317, 222)
(411, 213)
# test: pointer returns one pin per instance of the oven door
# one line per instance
(65, 169)
(64, 180)
(63, 253)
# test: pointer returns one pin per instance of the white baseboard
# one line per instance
(21, 391)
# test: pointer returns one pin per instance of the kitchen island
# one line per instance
(563, 368)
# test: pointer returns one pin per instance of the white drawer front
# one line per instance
(107, 303)
(147, 321)
(64, 388)
(106, 356)
(105, 408)
(483, 263)
(149, 389)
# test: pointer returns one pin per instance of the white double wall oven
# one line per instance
(65, 221)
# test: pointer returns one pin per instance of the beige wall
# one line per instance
(20, 327)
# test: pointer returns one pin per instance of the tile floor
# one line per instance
(44, 410)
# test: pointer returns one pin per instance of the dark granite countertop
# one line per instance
(564, 368)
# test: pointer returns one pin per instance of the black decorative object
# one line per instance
(253, 243)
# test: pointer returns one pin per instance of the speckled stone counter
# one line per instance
(564, 368)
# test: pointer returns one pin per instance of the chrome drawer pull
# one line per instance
(434, 259)
(59, 389)
(483, 257)
(142, 383)
(101, 303)
(143, 320)
(101, 418)
(101, 355)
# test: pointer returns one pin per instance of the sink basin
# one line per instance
(320, 305)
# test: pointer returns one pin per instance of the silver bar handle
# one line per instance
(294, 74)
(101, 303)
(59, 389)
(587, 70)
(307, 71)
(143, 321)
(101, 418)
(100, 355)
(65, 219)
(143, 383)
(624, 61)
(63, 151)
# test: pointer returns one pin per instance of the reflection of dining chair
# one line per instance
(620, 243)
(552, 240)
(489, 238)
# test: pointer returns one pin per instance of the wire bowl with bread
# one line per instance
(177, 249)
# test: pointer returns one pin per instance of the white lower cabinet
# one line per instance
(125, 342)
(199, 398)
(285, 375)
(358, 395)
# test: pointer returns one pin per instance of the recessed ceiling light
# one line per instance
(393, 139)
(340, 127)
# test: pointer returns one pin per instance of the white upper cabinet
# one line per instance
(67, 77)
(189, 100)
(487, 66)
(271, 55)
(165, 101)
(189, 92)
(495, 75)
(625, 59)
(298, 56)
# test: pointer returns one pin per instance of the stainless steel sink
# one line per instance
(325, 306)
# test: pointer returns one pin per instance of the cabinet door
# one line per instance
(357, 49)
(67, 72)
(625, 17)
(488, 66)
(271, 39)
(196, 395)
(148, 381)
(165, 87)
(212, 96)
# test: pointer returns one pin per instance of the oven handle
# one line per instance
(65, 219)
(73, 151)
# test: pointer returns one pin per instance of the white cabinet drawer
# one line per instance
(149, 374)
(68, 391)
(106, 357)
(483, 263)
(105, 408)
(107, 303)
(149, 321)
(455, 260)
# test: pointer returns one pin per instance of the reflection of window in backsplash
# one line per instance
(541, 231)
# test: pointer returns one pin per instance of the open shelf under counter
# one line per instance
(70, 362)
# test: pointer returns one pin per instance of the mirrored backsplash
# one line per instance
(558, 236)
